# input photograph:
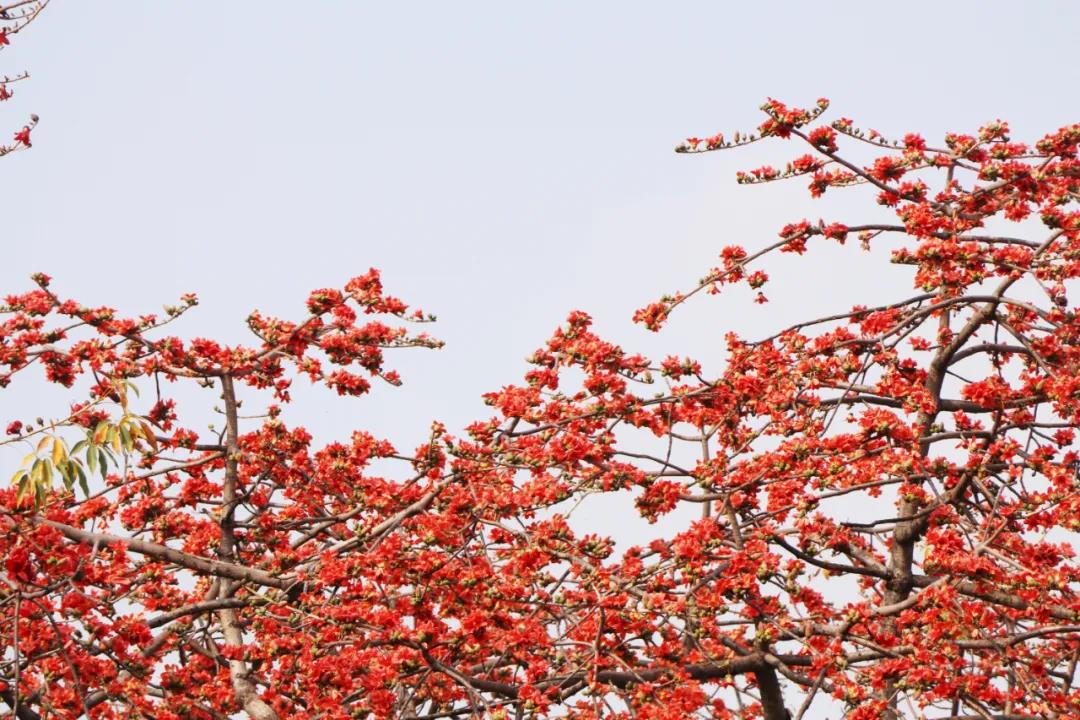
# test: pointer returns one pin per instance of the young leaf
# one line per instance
(101, 432)
(148, 434)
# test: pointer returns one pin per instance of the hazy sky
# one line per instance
(502, 163)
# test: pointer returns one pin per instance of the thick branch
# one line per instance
(244, 688)
(171, 555)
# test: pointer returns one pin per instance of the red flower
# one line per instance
(757, 279)
(824, 139)
(913, 141)
(888, 168)
(23, 136)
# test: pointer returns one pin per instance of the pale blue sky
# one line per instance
(502, 163)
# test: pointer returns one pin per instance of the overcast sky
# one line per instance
(502, 163)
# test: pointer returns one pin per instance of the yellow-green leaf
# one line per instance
(24, 488)
(59, 452)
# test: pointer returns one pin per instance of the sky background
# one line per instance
(501, 163)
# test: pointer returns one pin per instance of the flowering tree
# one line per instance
(887, 497)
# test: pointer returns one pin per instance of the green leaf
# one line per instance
(92, 459)
(83, 485)
(24, 488)
(103, 464)
(68, 471)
